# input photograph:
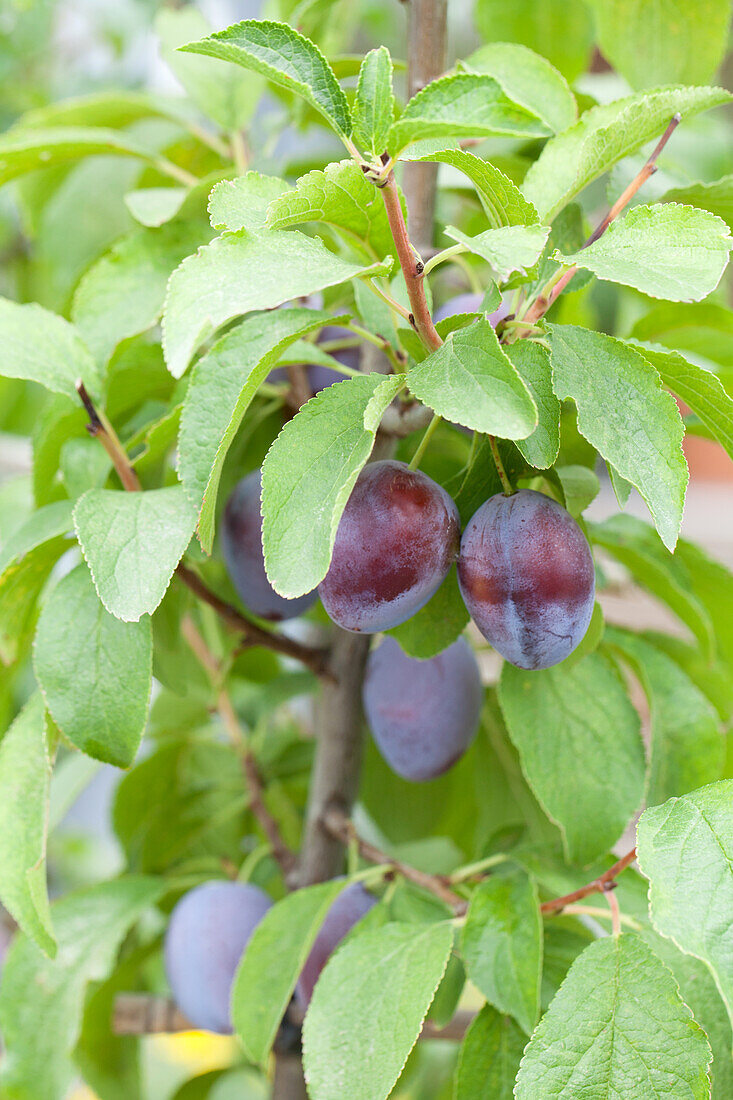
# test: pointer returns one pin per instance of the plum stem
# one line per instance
(599, 885)
(423, 444)
(503, 477)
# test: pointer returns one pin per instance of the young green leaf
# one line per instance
(700, 328)
(242, 203)
(374, 104)
(340, 196)
(624, 413)
(132, 543)
(260, 994)
(489, 1057)
(309, 473)
(471, 381)
(617, 1027)
(529, 79)
(602, 136)
(686, 743)
(25, 773)
(94, 671)
(532, 363)
(20, 586)
(578, 739)
(41, 347)
(23, 151)
(368, 1008)
(42, 1000)
(122, 294)
(436, 625)
(685, 849)
(154, 206)
(502, 946)
(42, 525)
(717, 197)
(462, 105)
(508, 249)
(563, 32)
(223, 384)
(241, 272)
(287, 59)
(666, 251)
(580, 487)
(503, 202)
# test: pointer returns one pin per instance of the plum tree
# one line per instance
(208, 931)
(423, 714)
(395, 543)
(349, 907)
(470, 302)
(241, 546)
(526, 575)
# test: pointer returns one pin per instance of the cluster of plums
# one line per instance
(209, 930)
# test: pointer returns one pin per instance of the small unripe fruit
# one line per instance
(526, 575)
(241, 547)
(206, 937)
(423, 714)
(347, 910)
(395, 543)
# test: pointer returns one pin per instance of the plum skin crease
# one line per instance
(207, 933)
(241, 547)
(398, 536)
(526, 575)
(423, 714)
(347, 910)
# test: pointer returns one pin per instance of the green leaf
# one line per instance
(241, 272)
(602, 136)
(242, 203)
(368, 1008)
(698, 328)
(260, 994)
(489, 1057)
(436, 625)
(287, 59)
(502, 946)
(503, 202)
(41, 347)
(340, 196)
(94, 671)
(617, 1027)
(223, 384)
(529, 79)
(686, 743)
(578, 740)
(42, 1000)
(471, 381)
(624, 413)
(25, 773)
(663, 42)
(636, 545)
(42, 525)
(580, 487)
(153, 206)
(532, 364)
(309, 473)
(667, 251)
(122, 294)
(374, 103)
(508, 249)
(132, 543)
(717, 197)
(27, 151)
(685, 849)
(562, 32)
(462, 105)
(20, 586)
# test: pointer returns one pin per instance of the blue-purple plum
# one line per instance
(349, 907)
(423, 714)
(206, 937)
(241, 547)
(470, 303)
(396, 541)
(526, 576)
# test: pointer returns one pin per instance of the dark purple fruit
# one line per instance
(241, 547)
(395, 543)
(423, 714)
(206, 937)
(526, 576)
(470, 303)
(347, 910)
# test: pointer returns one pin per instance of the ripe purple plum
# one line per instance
(347, 910)
(206, 937)
(423, 714)
(396, 541)
(241, 546)
(470, 303)
(526, 575)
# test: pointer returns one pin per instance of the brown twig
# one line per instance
(600, 885)
(284, 856)
(340, 826)
(100, 428)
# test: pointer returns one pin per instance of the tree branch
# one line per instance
(284, 856)
(600, 885)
